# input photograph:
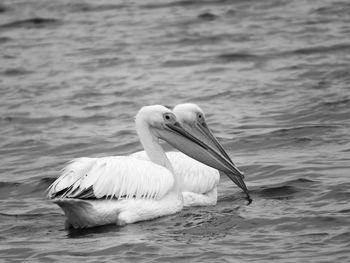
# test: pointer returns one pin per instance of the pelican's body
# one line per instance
(113, 189)
(125, 189)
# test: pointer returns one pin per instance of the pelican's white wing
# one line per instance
(71, 174)
(196, 176)
(112, 177)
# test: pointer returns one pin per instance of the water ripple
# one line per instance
(272, 77)
(36, 22)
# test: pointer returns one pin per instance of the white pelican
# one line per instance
(200, 181)
(124, 189)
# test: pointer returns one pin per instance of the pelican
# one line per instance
(123, 189)
(200, 181)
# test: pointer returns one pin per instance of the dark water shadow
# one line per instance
(85, 7)
(298, 188)
(81, 233)
(15, 72)
(36, 22)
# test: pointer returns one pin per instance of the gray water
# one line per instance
(272, 76)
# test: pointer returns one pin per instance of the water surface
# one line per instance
(272, 76)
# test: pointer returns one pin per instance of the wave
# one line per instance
(26, 120)
(215, 95)
(37, 22)
(182, 63)
(3, 8)
(207, 16)
(279, 192)
(332, 111)
(338, 9)
(344, 47)
(182, 3)
(25, 216)
(302, 130)
(84, 7)
(5, 39)
(291, 137)
(305, 51)
(335, 104)
(295, 188)
(34, 188)
(7, 185)
(14, 72)
(188, 3)
(234, 57)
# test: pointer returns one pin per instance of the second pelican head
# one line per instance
(192, 118)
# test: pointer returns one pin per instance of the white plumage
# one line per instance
(125, 189)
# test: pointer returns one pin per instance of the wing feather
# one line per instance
(72, 173)
(113, 177)
(197, 177)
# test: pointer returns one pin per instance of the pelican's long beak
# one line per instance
(202, 151)
(201, 131)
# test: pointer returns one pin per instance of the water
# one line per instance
(272, 76)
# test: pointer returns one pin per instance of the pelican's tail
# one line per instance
(85, 213)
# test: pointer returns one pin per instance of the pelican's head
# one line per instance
(155, 116)
(163, 124)
(192, 118)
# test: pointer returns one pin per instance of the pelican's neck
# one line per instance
(154, 150)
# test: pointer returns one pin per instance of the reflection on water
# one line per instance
(272, 77)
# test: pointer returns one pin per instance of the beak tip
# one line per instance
(249, 199)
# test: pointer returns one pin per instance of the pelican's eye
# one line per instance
(169, 117)
(200, 117)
